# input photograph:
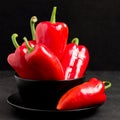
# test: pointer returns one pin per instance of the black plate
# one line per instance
(15, 101)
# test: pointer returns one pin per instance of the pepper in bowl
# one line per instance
(46, 88)
(40, 73)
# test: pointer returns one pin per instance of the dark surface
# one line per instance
(109, 110)
(95, 22)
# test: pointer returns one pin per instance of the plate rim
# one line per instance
(23, 107)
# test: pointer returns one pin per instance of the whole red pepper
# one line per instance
(87, 94)
(75, 60)
(17, 60)
(44, 62)
(53, 34)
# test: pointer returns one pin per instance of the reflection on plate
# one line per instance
(15, 101)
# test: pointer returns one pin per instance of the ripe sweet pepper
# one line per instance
(87, 94)
(17, 60)
(53, 34)
(75, 60)
(44, 62)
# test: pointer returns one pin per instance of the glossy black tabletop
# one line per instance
(110, 110)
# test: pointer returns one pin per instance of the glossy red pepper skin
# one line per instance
(54, 35)
(47, 65)
(18, 63)
(84, 95)
(75, 60)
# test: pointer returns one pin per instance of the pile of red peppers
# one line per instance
(49, 56)
(49, 52)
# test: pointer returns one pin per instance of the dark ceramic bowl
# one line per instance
(44, 93)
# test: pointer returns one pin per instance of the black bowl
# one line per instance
(44, 93)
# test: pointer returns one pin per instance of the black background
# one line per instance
(95, 22)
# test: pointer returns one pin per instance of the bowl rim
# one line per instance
(34, 80)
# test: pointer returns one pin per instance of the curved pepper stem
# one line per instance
(53, 15)
(33, 20)
(30, 49)
(75, 40)
(14, 41)
(107, 84)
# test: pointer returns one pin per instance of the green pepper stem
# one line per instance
(75, 40)
(107, 84)
(33, 20)
(30, 49)
(14, 41)
(53, 15)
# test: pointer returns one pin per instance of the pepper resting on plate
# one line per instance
(75, 60)
(53, 34)
(87, 94)
(44, 62)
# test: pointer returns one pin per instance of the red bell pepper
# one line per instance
(53, 34)
(87, 94)
(75, 59)
(44, 62)
(17, 60)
